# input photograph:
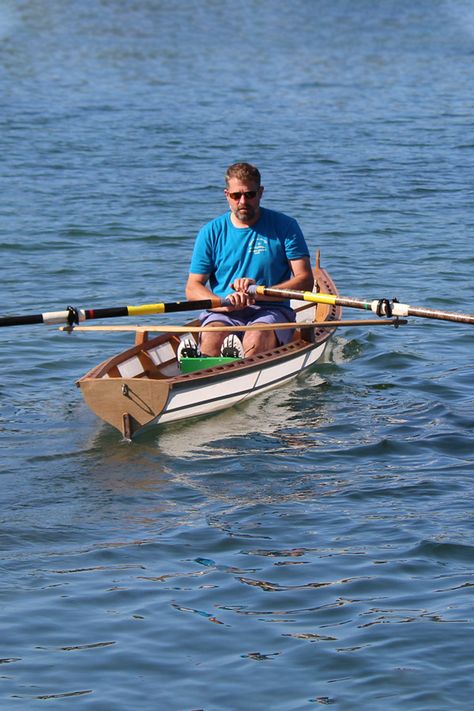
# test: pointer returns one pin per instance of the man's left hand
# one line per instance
(242, 284)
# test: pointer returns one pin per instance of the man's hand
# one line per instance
(242, 284)
(196, 289)
(240, 299)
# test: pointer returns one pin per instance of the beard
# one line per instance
(246, 214)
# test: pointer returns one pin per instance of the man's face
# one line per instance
(244, 200)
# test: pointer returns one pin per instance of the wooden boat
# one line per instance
(144, 386)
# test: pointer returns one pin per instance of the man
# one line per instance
(247, 245)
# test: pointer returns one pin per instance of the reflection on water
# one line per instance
(277, 415)
(259, 419)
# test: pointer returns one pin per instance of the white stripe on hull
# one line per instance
(221, 394)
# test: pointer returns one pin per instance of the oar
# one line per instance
(231, 329)
(381, 307)
(72, 315)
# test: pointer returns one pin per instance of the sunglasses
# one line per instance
(248, 194)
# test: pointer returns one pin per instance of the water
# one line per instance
(313, 547)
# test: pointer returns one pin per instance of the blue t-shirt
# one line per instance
(260, 252)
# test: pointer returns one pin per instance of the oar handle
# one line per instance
(396, 322)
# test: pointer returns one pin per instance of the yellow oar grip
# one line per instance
(319, 298)
(302, 295)
(145, 309)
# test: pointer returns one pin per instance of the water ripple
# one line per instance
(324, 529)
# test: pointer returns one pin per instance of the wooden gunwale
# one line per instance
(280, 354)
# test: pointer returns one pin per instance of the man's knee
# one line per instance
(211, 342)
(259, 341)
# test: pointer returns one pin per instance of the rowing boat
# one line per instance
(145, 385)
(149, 384)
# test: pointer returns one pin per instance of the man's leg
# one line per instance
(211, 342)
(259, 341)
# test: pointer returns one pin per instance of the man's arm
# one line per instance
(196, 288)
(302, 276)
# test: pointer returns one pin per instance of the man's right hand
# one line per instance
(239, 300)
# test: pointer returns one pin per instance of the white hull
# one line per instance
(203, 400)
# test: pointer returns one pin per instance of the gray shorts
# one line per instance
(254, 314)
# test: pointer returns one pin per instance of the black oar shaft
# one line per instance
(105, 313)
(21, 320)
(71, 315)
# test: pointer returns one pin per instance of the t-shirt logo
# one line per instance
(260, 246)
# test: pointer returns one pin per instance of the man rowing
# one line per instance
(248, 244)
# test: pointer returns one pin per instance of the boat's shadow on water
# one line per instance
(269, 420)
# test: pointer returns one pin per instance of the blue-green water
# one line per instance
(314, 546)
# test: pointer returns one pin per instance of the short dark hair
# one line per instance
(244, 171)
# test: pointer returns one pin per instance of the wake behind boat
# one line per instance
(145, 385)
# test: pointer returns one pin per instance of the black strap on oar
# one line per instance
(384, 308)
(72, 316)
